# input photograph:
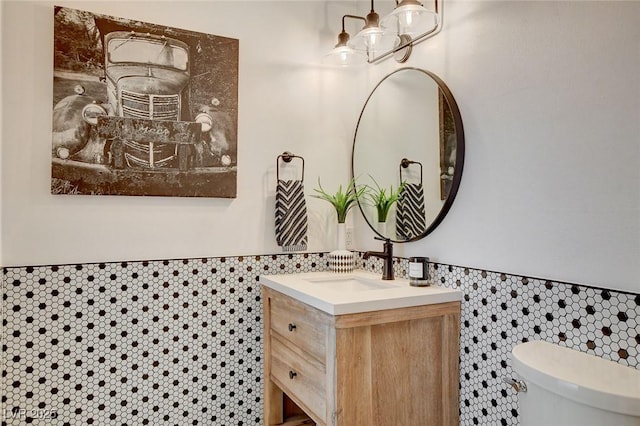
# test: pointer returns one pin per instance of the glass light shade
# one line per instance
(373, 39)
(410, 19)
(344, 55)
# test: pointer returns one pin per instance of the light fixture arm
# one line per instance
(343, 37)
(352, 17)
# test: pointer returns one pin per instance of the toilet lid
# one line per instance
(581, 377)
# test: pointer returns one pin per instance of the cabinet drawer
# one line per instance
(301, 325)
(300, 377)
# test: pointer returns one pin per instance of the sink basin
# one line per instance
(350, 283)
(356, 292)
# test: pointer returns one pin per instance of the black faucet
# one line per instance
(386, 255)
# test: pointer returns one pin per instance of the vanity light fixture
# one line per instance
(395, 34)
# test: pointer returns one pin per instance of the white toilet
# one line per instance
(565, 387)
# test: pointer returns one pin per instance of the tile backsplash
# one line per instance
(499, 311)
(179, 342)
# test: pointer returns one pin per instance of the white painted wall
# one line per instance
(549, 93)
(286, 102)
(1, 137)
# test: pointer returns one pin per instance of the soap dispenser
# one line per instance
(419, 271)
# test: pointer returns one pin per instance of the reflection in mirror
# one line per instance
(409, 141)
(410, 209)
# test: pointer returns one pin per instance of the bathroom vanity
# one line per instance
(349, 350)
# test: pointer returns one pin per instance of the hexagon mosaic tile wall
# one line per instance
(179, 342)
(161, 342)
(499, 311)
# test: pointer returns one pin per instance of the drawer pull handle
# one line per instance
(292, 327)
(292, 374)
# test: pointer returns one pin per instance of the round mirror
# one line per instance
(408, 150)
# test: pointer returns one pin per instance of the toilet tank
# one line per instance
(565, 387)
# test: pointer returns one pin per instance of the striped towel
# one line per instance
(410, 212)
(291, 215)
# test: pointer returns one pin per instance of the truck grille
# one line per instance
(158, 107)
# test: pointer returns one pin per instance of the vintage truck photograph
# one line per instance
(142, 109)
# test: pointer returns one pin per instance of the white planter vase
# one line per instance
(341, 260)
(382, 228)
(341, 236)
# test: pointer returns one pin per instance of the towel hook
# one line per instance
(404, 163)
(287, 157)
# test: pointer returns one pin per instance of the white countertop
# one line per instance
(339, 294)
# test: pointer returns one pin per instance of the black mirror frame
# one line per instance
(460, 154)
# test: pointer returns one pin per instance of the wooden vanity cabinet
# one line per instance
(395, 367)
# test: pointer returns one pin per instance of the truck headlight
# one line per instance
(62, 152)
(91, 112)
(205, 121)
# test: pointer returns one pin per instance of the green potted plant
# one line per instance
(381, 200)
(341, 260)
(343, 200)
